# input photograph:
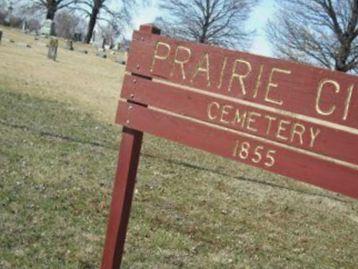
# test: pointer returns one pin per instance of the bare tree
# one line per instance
(5, 12)
(109, 32)
(69, 23)
(52, 6)
(103, 10)
(10, 14)
(34, 25)
(220, 22)
(319, 32)
(3, 16)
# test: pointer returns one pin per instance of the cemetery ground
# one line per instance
(58, 150)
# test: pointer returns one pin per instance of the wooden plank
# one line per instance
(313, 92)
(241, 148)
(288, 130)
(122, 198)
(123, 189)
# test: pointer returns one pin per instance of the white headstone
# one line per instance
(101, 53)
(69, 44)
(48, 28)
(24, 26)
(93, 37)
(122, 58)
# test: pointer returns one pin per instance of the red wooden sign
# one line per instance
(287, 118)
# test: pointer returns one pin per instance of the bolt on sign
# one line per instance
(287, 118)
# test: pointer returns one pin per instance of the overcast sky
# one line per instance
(258, 20)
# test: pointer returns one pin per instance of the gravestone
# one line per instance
(101, 53)
(77, 37)
(23, 45)
(24, 27)
(7, 20)
(122, 58)
(35, 33)
(93, 37)
(69, 44)
(0, 36)
(48, 28)
(52, 49)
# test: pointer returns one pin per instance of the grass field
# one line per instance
(58, 150)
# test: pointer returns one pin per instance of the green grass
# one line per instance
(56, 165)
(191, 209)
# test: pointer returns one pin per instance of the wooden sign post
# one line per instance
(287, 118)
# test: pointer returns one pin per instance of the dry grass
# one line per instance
(191, 209)
(87, 80)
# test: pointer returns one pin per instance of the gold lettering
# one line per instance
(239, 118)
(222, 73)
(252, 120)
(241, 77)
(271, 119)
(224, 112)
(271, 85)
(234, 153)
(181, 62)
(297, 129)
(319, 95)
(205, 69)
(160, 57)
(210, 111)
(314, 134)
(282, 128)
(258, 82)
(348, 102)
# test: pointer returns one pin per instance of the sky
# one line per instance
(259, 17)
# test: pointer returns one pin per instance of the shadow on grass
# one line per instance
(252, 180)
(54, 135)
(43, 109)
(171, 161)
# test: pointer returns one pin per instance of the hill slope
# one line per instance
(58, 153)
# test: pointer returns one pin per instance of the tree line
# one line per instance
(72, 15)
(318, 32)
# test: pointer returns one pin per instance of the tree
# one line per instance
(220, 22)
(318, 32)
(3, 16)
(109, 32)
(34, 25)
(10, 14)
(69, 23)
(52, 6)
(101, 10)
